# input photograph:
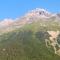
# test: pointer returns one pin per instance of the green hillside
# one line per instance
(28, 43)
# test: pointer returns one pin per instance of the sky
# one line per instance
(17, 8)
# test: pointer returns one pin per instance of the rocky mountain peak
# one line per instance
(39, 12)
(30, 17)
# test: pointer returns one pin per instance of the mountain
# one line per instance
(34, 36)
(30, 17)
(33, 16)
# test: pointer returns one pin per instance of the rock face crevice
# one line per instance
(52, 41)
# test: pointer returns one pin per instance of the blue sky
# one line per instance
(17, 8)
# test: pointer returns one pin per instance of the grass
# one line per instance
(27, 43)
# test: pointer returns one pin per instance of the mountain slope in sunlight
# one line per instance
(24, 38)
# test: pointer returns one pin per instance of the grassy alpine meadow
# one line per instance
(27, 43)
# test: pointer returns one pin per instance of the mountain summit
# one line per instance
(30, 17)
(40, 13)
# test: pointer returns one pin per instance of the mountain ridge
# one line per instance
(37, 13)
